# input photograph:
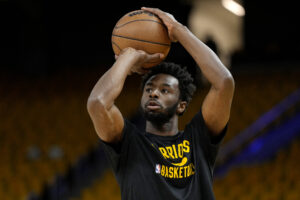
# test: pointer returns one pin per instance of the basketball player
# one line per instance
(163, 162)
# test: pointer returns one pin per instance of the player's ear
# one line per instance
(181, 107)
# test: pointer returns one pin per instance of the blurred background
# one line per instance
(53, 52)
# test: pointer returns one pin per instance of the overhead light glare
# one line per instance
(234, 7)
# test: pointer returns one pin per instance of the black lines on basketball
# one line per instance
(129, 38)
(142, 31)
(116, 45)
(150, 20)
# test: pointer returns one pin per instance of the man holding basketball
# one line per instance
(163, 162)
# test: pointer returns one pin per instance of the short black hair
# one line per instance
(186, 85)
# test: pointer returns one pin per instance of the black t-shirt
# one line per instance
(149, 167)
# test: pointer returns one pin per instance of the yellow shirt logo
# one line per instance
(175, 152)
(178, 170)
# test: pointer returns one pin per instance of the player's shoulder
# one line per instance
(132, 127)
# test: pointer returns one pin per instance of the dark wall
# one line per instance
(271, 30)
(43, 36)
(48, 35)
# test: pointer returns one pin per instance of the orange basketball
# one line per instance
(141, 30)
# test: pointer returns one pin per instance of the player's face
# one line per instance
(160, 97)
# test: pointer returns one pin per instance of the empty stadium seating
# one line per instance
(275, 179)
(50, 112)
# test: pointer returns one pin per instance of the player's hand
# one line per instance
(168, 19)
(138, 58)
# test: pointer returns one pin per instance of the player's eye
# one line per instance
(165, 91)
(148, 90)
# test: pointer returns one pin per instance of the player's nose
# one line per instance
(154, 93)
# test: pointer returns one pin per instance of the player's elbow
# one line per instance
(94, 105)
(228, 83)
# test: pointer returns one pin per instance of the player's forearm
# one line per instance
(110, 85)
(211, 66)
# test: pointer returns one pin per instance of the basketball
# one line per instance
(141, 30)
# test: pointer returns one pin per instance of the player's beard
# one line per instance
(159, 118)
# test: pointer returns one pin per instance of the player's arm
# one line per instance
(107, 118)
(217, 104)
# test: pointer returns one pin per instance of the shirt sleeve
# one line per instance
(203, 137)
(115, 151)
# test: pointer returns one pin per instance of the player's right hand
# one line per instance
(138, 59)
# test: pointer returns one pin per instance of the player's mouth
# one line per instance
(153, 105)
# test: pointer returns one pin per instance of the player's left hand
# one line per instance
(168, 19)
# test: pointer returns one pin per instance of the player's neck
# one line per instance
(167, 129)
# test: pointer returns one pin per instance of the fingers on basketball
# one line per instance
(142, 30)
